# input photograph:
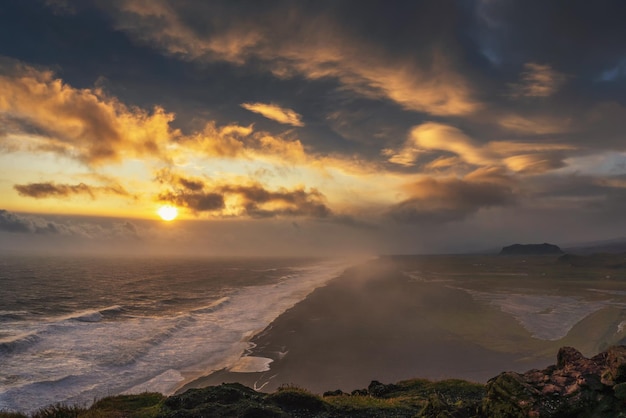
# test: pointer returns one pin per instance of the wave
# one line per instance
(213, 307)
(12, 315)
(93, 315)
(111, 349)
(18, 343)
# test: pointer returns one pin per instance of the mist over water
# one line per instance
(73, 329)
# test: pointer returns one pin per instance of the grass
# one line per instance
(145, 405)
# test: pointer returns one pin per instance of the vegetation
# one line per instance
(145, 405)
(405, 399)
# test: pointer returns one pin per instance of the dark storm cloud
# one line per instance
(442, 201)
(50, 189)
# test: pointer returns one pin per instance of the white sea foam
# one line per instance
(161, 383)
(79, 357)
(546, 317)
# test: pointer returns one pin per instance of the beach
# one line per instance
(376, 322)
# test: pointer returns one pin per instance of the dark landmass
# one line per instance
(531, 249)
(612, 246)
(602, 260)
(574, 387)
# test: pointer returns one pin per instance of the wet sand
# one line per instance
(371, 323)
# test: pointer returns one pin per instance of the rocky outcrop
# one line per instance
(531, 249)
(575, 387)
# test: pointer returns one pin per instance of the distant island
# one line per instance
(531, 249)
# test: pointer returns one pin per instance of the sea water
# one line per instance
(76, 329)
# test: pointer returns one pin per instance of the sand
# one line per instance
(371, 323)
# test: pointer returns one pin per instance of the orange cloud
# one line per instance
(432, 137)
(275, 113)
(82, 123)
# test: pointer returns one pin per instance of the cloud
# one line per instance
(538, 125)
(300, 44)
(49, 115)
(11, 222)
(275, 113)
(197, 201)
(451, 199)
(50, 189)
(538, 80)
(251, 199)
(31, 224)
(433, 137)
(261, 203)
(436, 136)
(81, 123)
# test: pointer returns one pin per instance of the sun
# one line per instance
(167, 212)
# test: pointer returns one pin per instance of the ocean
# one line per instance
(74, 329)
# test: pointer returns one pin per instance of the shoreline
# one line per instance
(245, 360)
(369, 323)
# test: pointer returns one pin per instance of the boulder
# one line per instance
(576, 386)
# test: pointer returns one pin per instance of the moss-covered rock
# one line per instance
(575, 387)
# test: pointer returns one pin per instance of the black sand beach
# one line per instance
(376, 323)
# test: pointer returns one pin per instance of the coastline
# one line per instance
(371, 323)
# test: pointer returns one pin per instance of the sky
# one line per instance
(310, 127)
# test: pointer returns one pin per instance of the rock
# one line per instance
(531, 249)
(439, 406)
(616, 362)
(359, 392)
(380, 390)
(337, 392)
(577, 386)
